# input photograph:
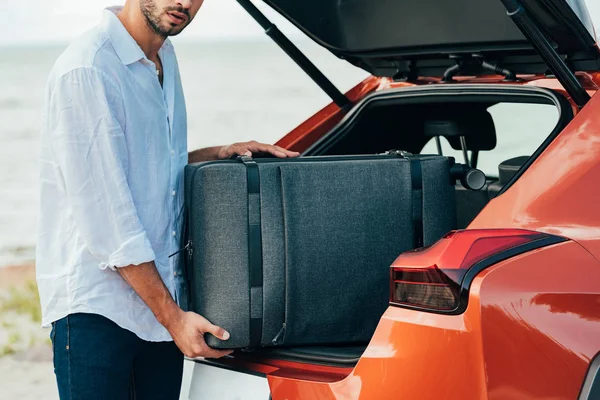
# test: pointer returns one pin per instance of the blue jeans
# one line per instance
(94, 358)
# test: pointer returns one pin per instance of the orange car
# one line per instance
(508, 305)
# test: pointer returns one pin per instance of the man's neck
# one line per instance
(135, 23)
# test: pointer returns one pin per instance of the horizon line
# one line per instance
(190, 40)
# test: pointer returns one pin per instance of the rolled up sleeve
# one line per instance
(90, 146)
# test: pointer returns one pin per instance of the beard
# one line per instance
(153, 15)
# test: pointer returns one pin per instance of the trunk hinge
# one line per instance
(475, 63)
(542, 45)
(295, 54)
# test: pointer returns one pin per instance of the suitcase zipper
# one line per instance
(188, 247)
(310, 159)
(279, 334)
(401, 153)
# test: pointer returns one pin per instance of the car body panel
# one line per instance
(540, 323)
(527, 338)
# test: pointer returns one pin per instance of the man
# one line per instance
(113, 151)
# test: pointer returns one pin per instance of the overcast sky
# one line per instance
(36, 21)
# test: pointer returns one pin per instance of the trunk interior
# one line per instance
(403, 119)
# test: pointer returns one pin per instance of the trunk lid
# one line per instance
(399, 37)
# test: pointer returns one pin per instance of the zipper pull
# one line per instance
(279, 334)
(188, 247)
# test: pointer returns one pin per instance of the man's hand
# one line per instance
(188, 329)
(247, 148)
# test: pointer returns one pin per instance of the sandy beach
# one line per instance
(26, 370)
(27, 380)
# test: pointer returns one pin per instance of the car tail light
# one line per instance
(437, 278)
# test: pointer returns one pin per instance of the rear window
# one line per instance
(520, 130)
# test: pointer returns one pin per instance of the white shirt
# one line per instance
(113, 150)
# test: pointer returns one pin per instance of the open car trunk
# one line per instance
(403, 38)
(372, 127)
(406, 40)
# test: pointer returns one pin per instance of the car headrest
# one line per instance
(478, 129)
(507, 169)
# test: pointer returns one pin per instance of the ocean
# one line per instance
(235, 91)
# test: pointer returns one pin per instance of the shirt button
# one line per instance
(174, 233)
(175, 273)
(172, 152)
(174, 192)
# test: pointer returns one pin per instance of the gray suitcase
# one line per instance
(297, 251)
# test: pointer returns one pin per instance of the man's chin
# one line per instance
(173, 30)
(176, 32)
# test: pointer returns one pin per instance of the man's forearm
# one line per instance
(147, 283)
(206, 154)
(186, 328)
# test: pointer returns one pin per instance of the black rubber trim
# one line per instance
(590, 390)
(285, 354)
(544, 241)
(254, 245)
(218, 364)
(320, 359)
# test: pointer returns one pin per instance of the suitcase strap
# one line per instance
(254, 250)
(416, 177)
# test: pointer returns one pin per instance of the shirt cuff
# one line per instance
(134, 251)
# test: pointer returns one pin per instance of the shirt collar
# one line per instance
(125, 46)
